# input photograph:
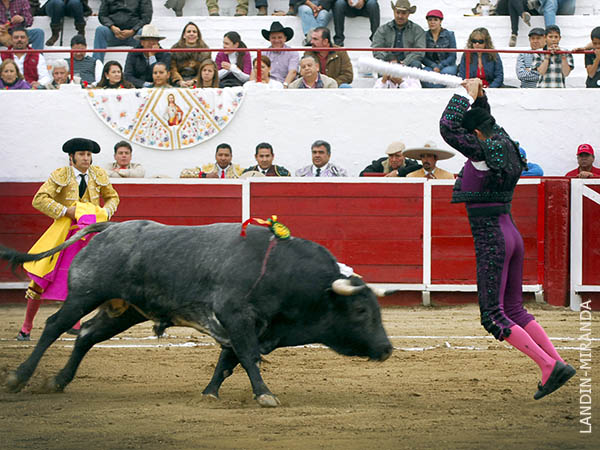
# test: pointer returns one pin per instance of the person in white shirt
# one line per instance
(266, 82)
(234, 66)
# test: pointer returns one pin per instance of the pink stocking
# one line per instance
(32, 309)
(522, 341)
(538, 334)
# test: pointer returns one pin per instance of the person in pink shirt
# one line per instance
(234, 66)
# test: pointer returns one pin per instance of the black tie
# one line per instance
(318, 172)
(82, 186)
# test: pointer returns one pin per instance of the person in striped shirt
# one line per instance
(528, 76)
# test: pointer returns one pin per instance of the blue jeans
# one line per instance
(551, 8)
(341, 10)
(450, 70)
(309, 21)
(36, 38)
(58, 9)
(104, 38)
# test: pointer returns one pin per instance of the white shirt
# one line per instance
(272, 84)
(42, 70)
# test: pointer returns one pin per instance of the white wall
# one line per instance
(358, 123)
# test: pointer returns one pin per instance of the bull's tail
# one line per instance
(15, 258)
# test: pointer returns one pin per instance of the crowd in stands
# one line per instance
(128, 23)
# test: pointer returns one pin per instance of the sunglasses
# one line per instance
(477, 41)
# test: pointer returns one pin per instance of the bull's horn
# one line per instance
(378, 291)
(343, 286)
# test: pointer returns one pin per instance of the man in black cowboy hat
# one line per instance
(354, 8)
(284, 65)
(70, 196)
(401, 33)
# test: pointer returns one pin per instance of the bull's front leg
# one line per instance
(241, 328)
(227, 362)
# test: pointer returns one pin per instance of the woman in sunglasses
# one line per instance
(485, 66)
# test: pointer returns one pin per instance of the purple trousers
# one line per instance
(499, 251)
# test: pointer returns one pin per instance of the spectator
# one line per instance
(17, 14)
(160, 76)
(10, 76)
(88, 69)
(60, 74)
(429, 155)
(321, 167)
(354, 8)
(123, 167)
(334, 63)
(222, 169)
(515, 9)
(234, 67)
(284, 65)
(592, 62)
(310, 78)
(31, 65)
(112, 77)
(585, 163)
(177, 6)
(400, 33)
(532, 169)
(553, 68)
(185, 66)
(121, 20)
(264, 156)
(438, 37)
(525, 71)
(550, 8)
(313, 14)
(139, 66)
(208, 74)
(485, 66)
(393, 165)
(265, 75)
(58, 9)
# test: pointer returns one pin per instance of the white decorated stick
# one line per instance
(398, 70)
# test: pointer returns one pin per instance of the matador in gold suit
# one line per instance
(72, 197)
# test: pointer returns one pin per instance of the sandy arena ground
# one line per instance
(447, 385)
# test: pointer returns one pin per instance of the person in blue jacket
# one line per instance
(532, 169)
(438, 37)
(485, 66)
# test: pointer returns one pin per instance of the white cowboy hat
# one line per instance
(149, 32)
(429, 147)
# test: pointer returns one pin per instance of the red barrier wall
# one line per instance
(377, 228)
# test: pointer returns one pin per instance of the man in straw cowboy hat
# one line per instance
(138, 66)
(284, 65)
(71, 196)
(120, 22)
(354, 8)
(486, 185)
(429, 155)
(400, 33)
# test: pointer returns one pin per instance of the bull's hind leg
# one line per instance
(72, 311)
(102, 327)
(227, 362)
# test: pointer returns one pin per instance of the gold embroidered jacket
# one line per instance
(62, 190)
(233, 171)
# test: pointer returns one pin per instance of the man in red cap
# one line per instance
(585, 161)
(71, 196)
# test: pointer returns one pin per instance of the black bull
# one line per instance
(252, 294)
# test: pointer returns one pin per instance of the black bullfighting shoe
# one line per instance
(23, 336)
(559, 376)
